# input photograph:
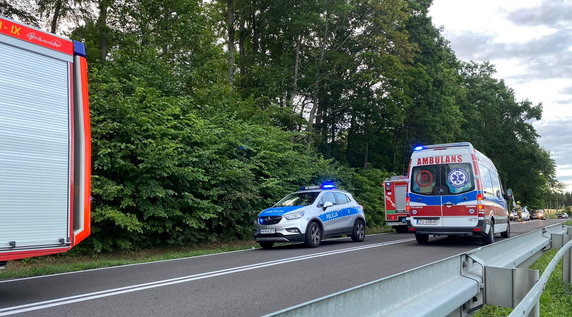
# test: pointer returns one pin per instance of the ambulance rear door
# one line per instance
(442, 191)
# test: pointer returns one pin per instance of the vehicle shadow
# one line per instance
(459, 240)
(324, 243)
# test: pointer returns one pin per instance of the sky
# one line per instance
(530, 44)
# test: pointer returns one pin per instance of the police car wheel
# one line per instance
(266, 245)
(313, 235)
(489, 238)
(358, 234)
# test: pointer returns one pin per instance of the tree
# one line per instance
(16, 10)
(501, 127)
(432, 87)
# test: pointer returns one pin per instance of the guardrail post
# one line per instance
(556, 240)
(506, 287)
(523, 284)
(567, 259)
(567, 267)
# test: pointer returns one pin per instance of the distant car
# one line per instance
(562, 215)
(513, 215)
(524, 214)
(538, 214)
(309, 215)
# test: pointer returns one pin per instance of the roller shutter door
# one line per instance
(34, 149)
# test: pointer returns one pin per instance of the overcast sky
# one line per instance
(530, 43)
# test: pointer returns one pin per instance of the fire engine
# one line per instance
(45, 143)
(395, 189)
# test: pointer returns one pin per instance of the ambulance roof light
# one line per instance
(418, 148)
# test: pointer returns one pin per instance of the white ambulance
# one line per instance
(455, 190)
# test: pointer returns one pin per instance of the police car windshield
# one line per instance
(442, 179)
(298, 199)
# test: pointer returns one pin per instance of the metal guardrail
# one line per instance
(525, 307)
(456, 286)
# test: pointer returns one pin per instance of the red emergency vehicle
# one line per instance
(45, 143)
(395, 189)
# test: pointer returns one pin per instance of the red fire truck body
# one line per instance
(45, 143)
(395, 190)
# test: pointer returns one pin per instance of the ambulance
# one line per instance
(395, 191)
(455, 190)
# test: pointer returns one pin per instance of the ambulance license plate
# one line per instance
(427, 221)
(267, 231)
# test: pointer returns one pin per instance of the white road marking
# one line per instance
(152, 262)
(139, 287)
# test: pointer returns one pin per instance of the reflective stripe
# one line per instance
(337, 214)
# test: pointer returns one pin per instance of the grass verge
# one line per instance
(71, 261)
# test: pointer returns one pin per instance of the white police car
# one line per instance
(309, 215)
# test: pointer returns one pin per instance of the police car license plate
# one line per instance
(427, 221)
(267, 231)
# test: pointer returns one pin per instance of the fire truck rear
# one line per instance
(395, 190)
(45, 143)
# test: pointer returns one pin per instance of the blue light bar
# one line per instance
(418, 148)
(328, 185)
(309, 187)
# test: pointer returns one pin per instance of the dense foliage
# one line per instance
(205, 112)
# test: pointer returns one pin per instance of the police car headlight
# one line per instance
(294, 215)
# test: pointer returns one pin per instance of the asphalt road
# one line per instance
(242, 283)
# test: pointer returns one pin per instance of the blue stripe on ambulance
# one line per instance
(436, 200)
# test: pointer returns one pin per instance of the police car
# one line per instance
(309, 215)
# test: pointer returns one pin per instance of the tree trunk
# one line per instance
(56, 17)
(314, 108)
(296, 68)
(394, 145)
(316, 104)
(230, 23)
(365, 153)
(102, 27)
(351, 138)
(241, 46)
(255, 43)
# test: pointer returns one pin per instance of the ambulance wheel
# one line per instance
(313, 235)
(506, 234)
(359, 231)
(489, 238)
(266, 245)
(422, 238)
(401, 229)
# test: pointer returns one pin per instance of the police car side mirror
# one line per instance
(327, 204)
